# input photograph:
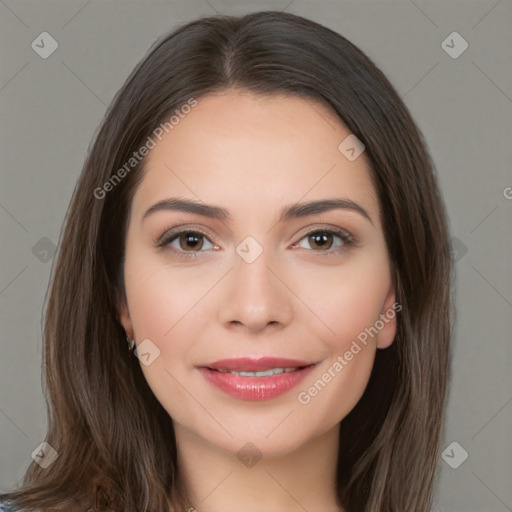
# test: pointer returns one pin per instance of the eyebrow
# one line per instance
(292, 211)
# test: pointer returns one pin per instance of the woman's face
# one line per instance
(256, 283)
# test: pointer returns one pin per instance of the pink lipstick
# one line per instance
(256, 377)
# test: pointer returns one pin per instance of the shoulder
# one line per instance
(4, 507)
(8, 506)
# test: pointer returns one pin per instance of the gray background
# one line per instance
(52, 107)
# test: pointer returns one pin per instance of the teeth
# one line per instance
(266, 373)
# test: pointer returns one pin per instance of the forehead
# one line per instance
(243, 149)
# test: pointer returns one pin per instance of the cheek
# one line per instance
(348, 304)
(161, 299)
(339, 382)
(166, 307)
(349, 300)
(170, 307)
(351, 310)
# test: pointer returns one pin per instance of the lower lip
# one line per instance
(255, 388)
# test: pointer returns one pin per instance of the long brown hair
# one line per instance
(109, 430)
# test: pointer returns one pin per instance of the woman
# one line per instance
(295, 356)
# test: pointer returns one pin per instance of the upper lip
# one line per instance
(256, 363)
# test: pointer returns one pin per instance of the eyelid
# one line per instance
(337, 230)
(348, 239)
(169, 233)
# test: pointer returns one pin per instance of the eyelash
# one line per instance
(169, 236)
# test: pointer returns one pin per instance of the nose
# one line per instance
(256, 296)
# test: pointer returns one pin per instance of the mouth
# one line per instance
(256, 377)
(265, 373)
(258, 364)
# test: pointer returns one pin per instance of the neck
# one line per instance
(219, 480)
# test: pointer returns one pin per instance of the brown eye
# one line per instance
(191, 240)
(185, 241)
(324, 240)
(320, 240)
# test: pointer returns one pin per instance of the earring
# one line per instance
(131, 344)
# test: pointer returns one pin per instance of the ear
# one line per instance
(388, 318)
(125, 318)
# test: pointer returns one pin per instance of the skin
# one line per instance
(253, 155)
